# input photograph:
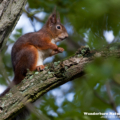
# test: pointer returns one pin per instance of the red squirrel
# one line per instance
(30, 50)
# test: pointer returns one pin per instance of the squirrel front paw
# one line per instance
(60, 49)
(40, 67)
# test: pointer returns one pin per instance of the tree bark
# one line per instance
(10, 11)
(38, 83)
(55, 74)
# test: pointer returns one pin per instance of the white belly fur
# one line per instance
(43, 54)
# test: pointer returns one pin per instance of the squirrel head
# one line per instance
(56, 29)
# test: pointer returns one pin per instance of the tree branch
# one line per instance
(39, 83)
(10, 11)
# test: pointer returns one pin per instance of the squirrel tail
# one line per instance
(1, 95)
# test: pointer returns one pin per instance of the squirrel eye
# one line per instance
(58, 27)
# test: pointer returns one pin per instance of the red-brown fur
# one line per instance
(25, 50)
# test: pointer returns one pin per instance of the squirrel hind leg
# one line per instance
(27, 60)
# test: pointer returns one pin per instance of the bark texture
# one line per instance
(10, 11)
(54, 75)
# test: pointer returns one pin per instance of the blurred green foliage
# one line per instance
(86, 21)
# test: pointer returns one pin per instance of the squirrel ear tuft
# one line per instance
(54, 10)
(52, 18)
(58, 17)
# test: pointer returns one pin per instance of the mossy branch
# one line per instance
(55, 74)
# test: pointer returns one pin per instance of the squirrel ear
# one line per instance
(58, 17)
(52, 18)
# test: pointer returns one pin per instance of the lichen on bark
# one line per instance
(10, 11)
(55, 74)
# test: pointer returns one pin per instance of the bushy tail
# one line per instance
(8, 88)
(14, 82)
(23, 114)
(1, 95)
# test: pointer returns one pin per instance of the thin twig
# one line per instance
(101, 98)
(32, 15)
(112, 102)
(33, 25)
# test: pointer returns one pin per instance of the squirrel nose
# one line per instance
(66, 36)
